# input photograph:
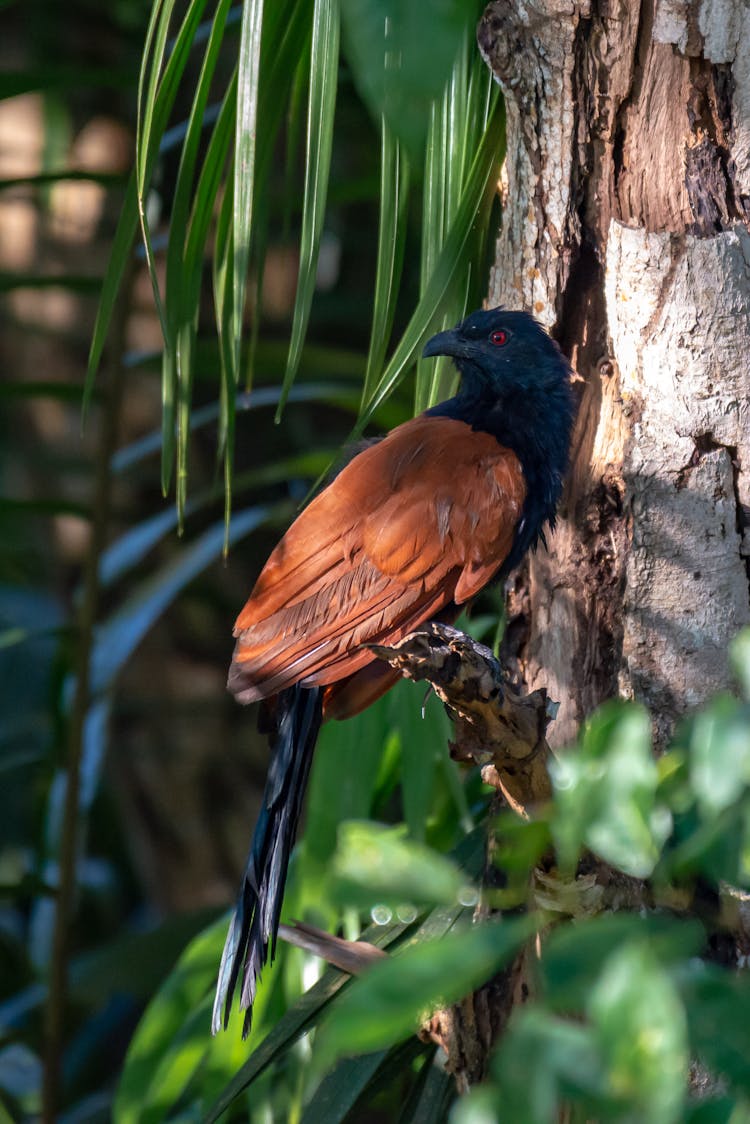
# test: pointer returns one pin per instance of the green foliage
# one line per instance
(441, 99)
(391, 999)
(405, 89)
(372, 859)
(622, 1001)
(606, 794)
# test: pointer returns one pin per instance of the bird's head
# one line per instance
(500, 352)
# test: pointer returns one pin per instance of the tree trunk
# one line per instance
(625, 230)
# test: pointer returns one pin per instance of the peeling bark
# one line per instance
(625, 230)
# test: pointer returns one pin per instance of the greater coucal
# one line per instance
(411, 528)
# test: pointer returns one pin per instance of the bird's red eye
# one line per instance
(499, 338)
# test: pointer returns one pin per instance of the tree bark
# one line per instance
(625, 230)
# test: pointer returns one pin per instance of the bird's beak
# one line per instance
(445, 343)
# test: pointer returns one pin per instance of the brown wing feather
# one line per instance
(419, 520)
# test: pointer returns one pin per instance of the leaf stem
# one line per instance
(57, 996)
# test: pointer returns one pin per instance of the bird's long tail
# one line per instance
(255, 921)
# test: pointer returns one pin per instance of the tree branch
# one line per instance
(502, 731)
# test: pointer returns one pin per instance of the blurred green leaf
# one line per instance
(605, 793)
(519, 845)
(386, 1004)
(481, 1105)
(79, 283)
(574, 955)
(718, 1110)
(718, 848)
(739, 657)
(431, 1096)
(339, 394)
(339, 789)
(13, 508)
(173, 1037)
(720, 754)
(641, 1030)
(62, 76)
(375, 864)
(298, 1018)
(118, 637)
(543, 1060)
(138, 962)
(717, 1002)
(397, 77)
(424, 732)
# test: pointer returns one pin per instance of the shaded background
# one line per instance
(173, 770)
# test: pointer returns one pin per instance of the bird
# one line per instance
(407, 532)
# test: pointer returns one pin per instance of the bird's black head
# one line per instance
(516, 385)
(500, 352)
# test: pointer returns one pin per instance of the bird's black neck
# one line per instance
(536, 424)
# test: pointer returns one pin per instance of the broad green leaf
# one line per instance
(739, 656)
(717, 1001)
(340, 787)
(320, 115)
(173, 1040)
(719, 754)
(424, 731)
(542, 1062)
(375, 864)
(397, 77)
(480, 1106)
(518, 847)
(297, 1019)
(308, 1008)
(573, 955)
(605, 794)
(718, 1110)
(717, 847)
(641, 1030)
(386, 1004)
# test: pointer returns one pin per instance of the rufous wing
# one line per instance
(419, 520)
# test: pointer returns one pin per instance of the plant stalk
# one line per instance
(111, 385)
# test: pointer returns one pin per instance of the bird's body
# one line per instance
(411, 529)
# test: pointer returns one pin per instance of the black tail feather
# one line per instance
(255, 921)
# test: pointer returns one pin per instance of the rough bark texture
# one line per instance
(496, 728)
(625, 229)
